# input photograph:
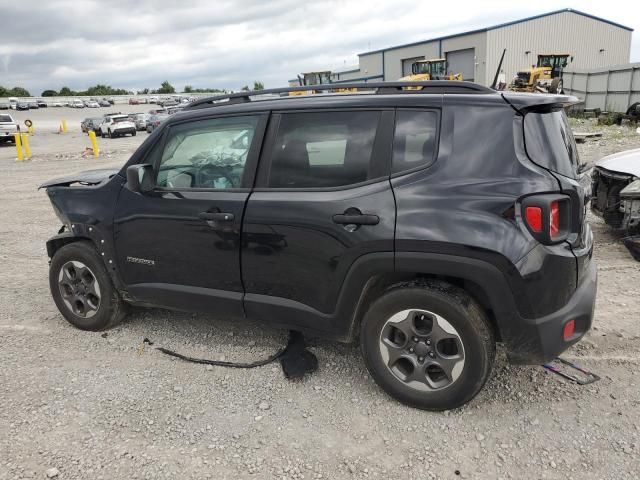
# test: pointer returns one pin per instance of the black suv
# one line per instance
(430, 224)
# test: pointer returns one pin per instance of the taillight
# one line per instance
(547, 216)
(533, 216)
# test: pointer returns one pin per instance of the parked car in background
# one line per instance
(104, 103)
(141, 121)
(56, 104)
(176, 109)
(33, 105)
(92, 104)
(92, 123)
(22, 105)
(4, 106)
(8, 128)
(157, 111)
(41, 103)
(76, 104)
(134, 101)
(154, 121)
(13, 103)
(153, 99)
(117, 126)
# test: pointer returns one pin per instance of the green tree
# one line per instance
(19, 92)
(245, 88)
(66, 92)
(258, 85)
(144, 91)
(166, 87)
(49, 93)
(188, 89)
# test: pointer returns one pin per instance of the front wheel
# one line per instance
(133, 134)
(82, 290)
(111, 135)
(428, 345)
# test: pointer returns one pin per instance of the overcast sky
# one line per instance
(230, 43)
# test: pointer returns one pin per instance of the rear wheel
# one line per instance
(82, 289)
(428, 345)
(111, 135)
(133, 134)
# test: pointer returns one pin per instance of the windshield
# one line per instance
(552, 61)
(549, 142)
(5, 118)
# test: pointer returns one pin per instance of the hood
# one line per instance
(624, 162)
(89, 177)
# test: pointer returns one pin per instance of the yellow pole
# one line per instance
(18, 146)
(94, 143)
(64, 126)
(32, 130)
(25, 142)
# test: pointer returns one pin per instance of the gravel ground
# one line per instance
(97, 405)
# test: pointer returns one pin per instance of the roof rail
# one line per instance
(430, 86)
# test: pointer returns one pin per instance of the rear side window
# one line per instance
(323, 149)
(550, 143)
(415, 139)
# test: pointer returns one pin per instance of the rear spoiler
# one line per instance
(525, 102)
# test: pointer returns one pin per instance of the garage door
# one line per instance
(406, 65)
(462, 61)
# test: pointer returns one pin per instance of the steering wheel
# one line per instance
(208, 173)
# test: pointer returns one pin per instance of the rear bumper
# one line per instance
(541, 340)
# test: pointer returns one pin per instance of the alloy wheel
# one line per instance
(422, 349)
(79, 289)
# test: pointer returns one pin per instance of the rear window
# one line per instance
(550, 143)
(5, 118)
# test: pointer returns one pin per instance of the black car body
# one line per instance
(333, 204)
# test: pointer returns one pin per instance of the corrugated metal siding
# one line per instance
(613, 89)
(477, 41)
(580, 36)
(393, 58)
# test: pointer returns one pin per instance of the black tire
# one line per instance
(460, 311)
(111, 135)
(134, 133)
(110, 310)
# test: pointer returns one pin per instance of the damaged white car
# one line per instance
(616, 195)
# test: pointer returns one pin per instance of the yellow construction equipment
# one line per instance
(312, 78)
(543, 77)
(433, 69)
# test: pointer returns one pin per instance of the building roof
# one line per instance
(501, 25)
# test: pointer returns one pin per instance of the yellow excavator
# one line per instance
(434, 69)
(543, 77)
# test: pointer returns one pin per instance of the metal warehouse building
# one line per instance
(592, 42)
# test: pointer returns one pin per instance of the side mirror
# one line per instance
(140, 178)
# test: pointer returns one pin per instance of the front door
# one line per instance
(179, 245)
(322, 202)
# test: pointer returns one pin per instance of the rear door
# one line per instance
(322, 201)
(179, 245)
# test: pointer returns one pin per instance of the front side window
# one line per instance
(415, 139)
(323, 149)
(207, 153)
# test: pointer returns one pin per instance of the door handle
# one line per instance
(356, 219)
(216, 216)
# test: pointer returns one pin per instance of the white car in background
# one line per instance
(117, 126)
(8, 128)
(76, 104)
(92, 104)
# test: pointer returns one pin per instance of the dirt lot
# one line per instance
(91, 405)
